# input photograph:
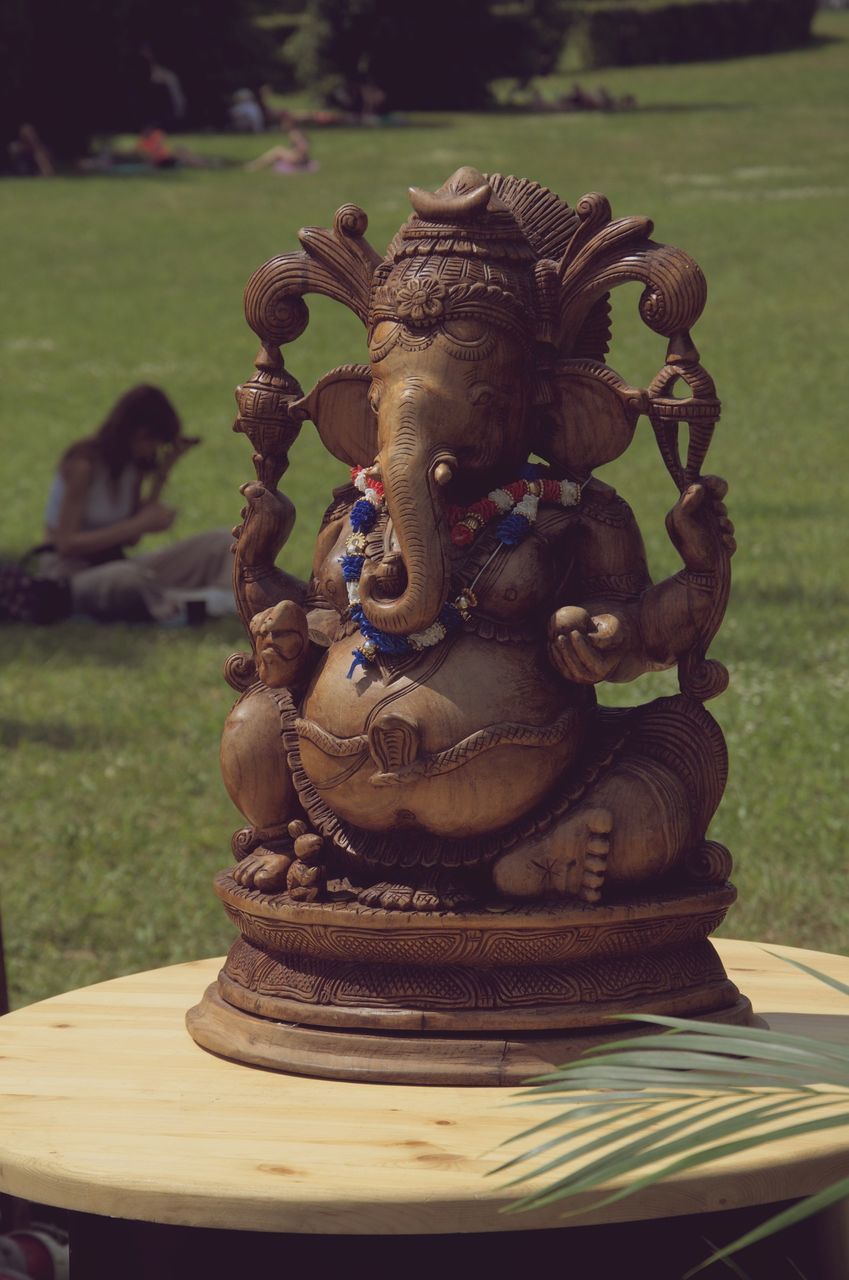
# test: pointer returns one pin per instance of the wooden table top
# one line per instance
(108, 1106)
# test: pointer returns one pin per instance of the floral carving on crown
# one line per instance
(421, 302)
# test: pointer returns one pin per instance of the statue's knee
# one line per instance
(253, 761)
(678, 737)
(653, 820)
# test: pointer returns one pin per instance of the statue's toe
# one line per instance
(398, 897)
(426, 900)
(389, 896)
(263, 870)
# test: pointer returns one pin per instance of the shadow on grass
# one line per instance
(641, 109)
(792, 595)
(56, 734)
(762, 509)
(86, 644)
(819, 41)
(686, 108)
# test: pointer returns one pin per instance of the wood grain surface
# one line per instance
(107, 1106)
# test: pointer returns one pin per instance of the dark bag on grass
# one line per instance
(24, 598)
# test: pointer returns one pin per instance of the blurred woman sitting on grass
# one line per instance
(105, 497)
(294, 158)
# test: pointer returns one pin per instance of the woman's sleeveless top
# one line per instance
(107, 502)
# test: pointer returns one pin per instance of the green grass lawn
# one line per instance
(114, 817)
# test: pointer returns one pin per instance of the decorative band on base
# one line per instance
(487, 995)
(399, 1058)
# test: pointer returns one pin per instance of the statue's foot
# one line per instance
(433, 894)
(264, 870)
(570, 859)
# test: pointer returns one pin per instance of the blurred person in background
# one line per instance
(156, 149)
(246, 114)
(294, 158)
(29, 156)
(167, 101)
(105, 497)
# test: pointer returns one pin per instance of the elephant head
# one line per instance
(488, 321)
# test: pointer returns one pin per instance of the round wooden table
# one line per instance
(107, 1107)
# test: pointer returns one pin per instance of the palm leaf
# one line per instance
(787, 1218)
(772, 1086)
(612, 1160)
(733, 1267)
(829, 981)
(645, 1151)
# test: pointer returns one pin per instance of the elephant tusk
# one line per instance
(443, 473)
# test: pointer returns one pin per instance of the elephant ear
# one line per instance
(338, 405)
(591, 418)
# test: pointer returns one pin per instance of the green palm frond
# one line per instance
(644, 1110)
(829, 981)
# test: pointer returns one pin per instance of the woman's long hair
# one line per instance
(142, 406)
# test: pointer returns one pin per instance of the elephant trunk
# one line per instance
(415, 510)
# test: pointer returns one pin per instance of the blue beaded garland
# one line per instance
(450, 616)
(385, 642)
(352, 567)
(360, 660)
(363, 516)
(531, 471)
(512, 529)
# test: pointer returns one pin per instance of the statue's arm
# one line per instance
(675, 613)
(291, 636)
(625, 625)
(269, 517)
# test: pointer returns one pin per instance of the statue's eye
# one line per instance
(482, 394)
(469, 332)
(374, 396)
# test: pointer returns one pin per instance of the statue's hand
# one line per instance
(582, 648)
(281, 636)
(699, 526)
(272, 516)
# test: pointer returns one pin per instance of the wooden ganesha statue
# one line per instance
(458, 863)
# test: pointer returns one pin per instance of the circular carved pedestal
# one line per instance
(478, 997)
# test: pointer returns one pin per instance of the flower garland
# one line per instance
(516, 503)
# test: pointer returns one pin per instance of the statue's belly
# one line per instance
(463, 742)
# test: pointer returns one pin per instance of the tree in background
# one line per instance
(436, 57)
(81, 68)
